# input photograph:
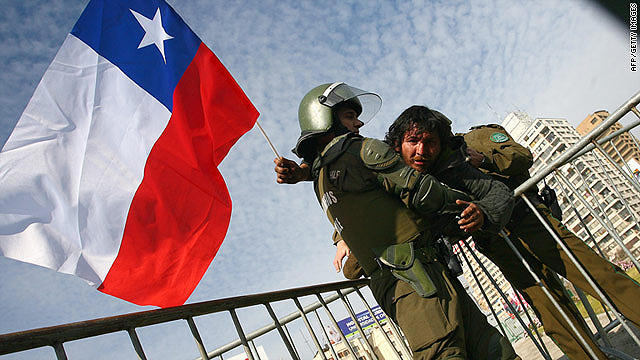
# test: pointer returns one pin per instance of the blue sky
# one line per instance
(474, 61)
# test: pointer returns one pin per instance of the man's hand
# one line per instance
(288, 172)
(342, 251)
(475, 158)
(472, 218)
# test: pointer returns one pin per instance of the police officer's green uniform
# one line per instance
(379, 207)
(443, 322)
(509, 162)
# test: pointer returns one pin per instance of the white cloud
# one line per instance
(560, 59)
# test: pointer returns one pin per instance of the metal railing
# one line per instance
(56, 336)
(583, 146)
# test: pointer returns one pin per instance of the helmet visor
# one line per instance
(339, 92)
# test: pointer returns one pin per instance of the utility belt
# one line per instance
(408, 263)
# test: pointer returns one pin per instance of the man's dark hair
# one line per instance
(422, 119)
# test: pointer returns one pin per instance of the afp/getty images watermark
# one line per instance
(633, 35)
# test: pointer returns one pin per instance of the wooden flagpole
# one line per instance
(268, 140)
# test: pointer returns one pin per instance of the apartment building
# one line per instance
(590, 181)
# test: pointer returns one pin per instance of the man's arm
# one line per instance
(475, 158)
(492, 197)
(342, 251)
(352, 269)
(422, 193)
(471, 218)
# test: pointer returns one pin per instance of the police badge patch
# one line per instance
(498, 137)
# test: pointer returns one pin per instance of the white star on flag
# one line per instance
(154, 32)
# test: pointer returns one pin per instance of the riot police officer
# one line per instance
(384, 211)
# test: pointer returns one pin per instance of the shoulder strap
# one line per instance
(333, 150)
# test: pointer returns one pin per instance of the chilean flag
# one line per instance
(111, 171)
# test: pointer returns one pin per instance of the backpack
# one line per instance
(508, 161)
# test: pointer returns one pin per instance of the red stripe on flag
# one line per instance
(180, 213)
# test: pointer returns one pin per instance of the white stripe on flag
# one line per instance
(69, 179)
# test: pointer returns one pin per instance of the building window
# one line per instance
(588, 218)
(624, 214)
(598, 186)
(551, 137)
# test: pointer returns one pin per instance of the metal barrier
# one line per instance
(567, 161)
(554, 168)
(56, 336)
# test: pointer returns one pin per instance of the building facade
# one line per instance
(589, 181)
(374, 332)
(625, 144)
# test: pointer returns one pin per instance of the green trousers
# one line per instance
(544, 255)
(447, 325)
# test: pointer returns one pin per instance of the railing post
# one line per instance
(384, 333)
(255, 349)
(580, 294)
(546, 291)
(585, 184)
(580, 218)
(526, 313)
(355, 319)
(482, 291)
(582, 270)
(137, 346)
(335, 323)
(286, 330)
(400, 336)
(311, 332)
(634, 182)
(281, 331)
(59, 349)
(243, 338)
(615, 165)
(613, 185)
(593, 316)
(580, 319)
(541, 347)
(610, 230)
(197, 338)
(333, 351)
